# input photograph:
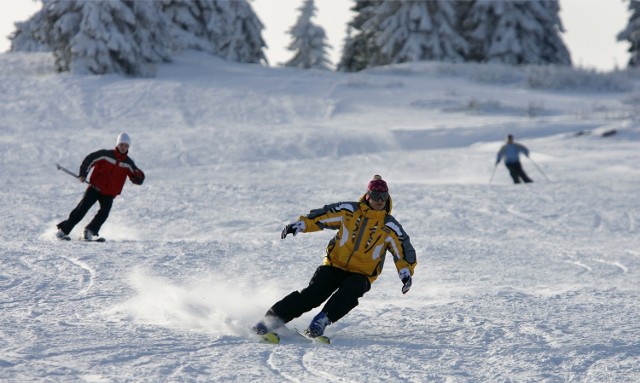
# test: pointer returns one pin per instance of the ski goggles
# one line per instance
(377, 195)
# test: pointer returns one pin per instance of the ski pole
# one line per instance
(69, 172)
(538, 167)
(492, 173)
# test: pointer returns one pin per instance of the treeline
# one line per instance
(130, 37)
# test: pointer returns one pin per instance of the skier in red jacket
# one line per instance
(111, 167)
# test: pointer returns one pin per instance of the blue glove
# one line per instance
(293, 228)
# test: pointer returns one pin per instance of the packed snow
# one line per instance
(536, 282)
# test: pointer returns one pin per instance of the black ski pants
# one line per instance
(516, 172)
(91, 196)
(348, 288)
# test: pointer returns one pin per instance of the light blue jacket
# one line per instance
(511, 153)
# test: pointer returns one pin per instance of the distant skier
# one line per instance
(511, 152)
(111, 167)
(354, 259)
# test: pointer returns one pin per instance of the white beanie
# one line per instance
(123, 138)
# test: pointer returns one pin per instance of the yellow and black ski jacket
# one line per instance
(364, 236)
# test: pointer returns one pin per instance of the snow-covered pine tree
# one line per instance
(515, 32)
(632, 34)
(217, 27)
(114, 36)
(417, 30)
(24, 39)
(476, 24)
(406, 31)
(554, 51)
(129, 37)
(242, 39)
(359, 50)
(194, 24)
(309, 41)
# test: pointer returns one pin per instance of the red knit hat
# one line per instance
(377, 184)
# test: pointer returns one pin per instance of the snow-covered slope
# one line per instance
(536, 282)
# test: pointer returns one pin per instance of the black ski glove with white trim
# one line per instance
(405, 277)
(293, 228)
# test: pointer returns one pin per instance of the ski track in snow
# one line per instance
(532, 282)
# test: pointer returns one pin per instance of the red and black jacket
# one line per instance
(110, 171)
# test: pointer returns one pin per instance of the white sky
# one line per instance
(591, 27)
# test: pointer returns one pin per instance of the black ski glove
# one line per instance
(292, 228)
(406, 284)
(137, 177)
(405, 277)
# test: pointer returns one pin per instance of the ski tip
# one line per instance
(320, 339)
(93, 240)
(271, 337)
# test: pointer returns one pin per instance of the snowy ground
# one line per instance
(536, 282)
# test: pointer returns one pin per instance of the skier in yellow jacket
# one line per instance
(354, 259)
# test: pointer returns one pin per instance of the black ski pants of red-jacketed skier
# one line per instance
(342, 288)
(91, 196)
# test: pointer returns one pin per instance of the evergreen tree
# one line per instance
(129, 37)
(477, 22)
(405, 31)
(241, 39)
(229, 29)
(309, 41)
(515, 32)
(554, 51)
(24, 37)
(195, 24)
(408, 31)
(100, 37)
(632, 33)
(359, 49)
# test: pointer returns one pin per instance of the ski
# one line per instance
(320, 339)
(101, 239)
(67, 238)
(274, 338)
(270, 337)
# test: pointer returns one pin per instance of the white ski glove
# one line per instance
(293, 228)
